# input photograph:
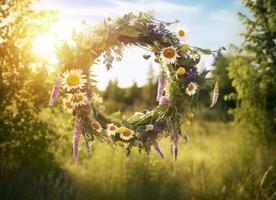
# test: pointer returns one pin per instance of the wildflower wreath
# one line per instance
(178, 83)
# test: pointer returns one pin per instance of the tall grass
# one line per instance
(219, 162)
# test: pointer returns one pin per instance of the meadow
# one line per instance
(221, 161)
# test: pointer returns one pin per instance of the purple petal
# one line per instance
(77, 133)
(162, 79)
(55, 92)
(158, 149)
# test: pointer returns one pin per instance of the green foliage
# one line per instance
(24, 138)
(220, 73)
(253, 70)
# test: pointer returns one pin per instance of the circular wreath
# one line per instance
(178, 83)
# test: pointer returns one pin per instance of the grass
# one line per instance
(219, 162)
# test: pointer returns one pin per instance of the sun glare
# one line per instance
(45, 44)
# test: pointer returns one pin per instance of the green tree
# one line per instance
(24, 139)
(253, 71)
(220, 73)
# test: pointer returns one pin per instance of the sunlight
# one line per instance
(45, 44)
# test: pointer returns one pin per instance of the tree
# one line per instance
(253, 71)
(220, 73)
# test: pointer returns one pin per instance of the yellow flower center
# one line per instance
(124, 131)
(181, 71)
(169, 53)
(112, 127)
(73, 80)
(181, 33)
(185, 48)
(77, 98)
(190, 87)
(187, 123)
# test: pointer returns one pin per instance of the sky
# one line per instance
(210, 23)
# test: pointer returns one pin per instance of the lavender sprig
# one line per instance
(158, 149)
(55, 92)
(162, 80)
(77, 133)
(157, 30)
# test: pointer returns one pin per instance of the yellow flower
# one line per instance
(190, 115)
(181, 71)
(185, 48)
(120, 143)
(187, 123)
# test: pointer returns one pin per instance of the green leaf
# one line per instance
(146, 56)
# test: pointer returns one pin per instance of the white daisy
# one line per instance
(194, 55)
(125, 133)
(149, 127)
(79, 98)
(169, 55)
(191, 88)
(181, 32)
(96, 126)
(73, 79)
(111, 129)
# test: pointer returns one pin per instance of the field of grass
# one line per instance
(221, 161)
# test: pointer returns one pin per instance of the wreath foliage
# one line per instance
(178, 83)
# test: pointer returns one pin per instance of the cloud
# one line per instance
(223, 16)
(117, 7)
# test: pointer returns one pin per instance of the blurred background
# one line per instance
(232, 149)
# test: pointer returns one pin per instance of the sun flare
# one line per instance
(45, 44)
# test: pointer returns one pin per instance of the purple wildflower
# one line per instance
(162, 79)
(77, 133)
(164, 101)
(192, 73)
(55, 92)
(158, 149)
(159, 127)
(174, 147)
(156, 30)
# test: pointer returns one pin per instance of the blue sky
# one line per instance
(210, 23)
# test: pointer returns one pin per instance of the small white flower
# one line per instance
(169, 55)
(79, 98)
(111, 129)
(73, 79)
(194, 55)
(181, 32)
(69, 105)
(138, 114)
(191, 88)
(97, 99)
(149, 127)
(96, 126)
(125, 133)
